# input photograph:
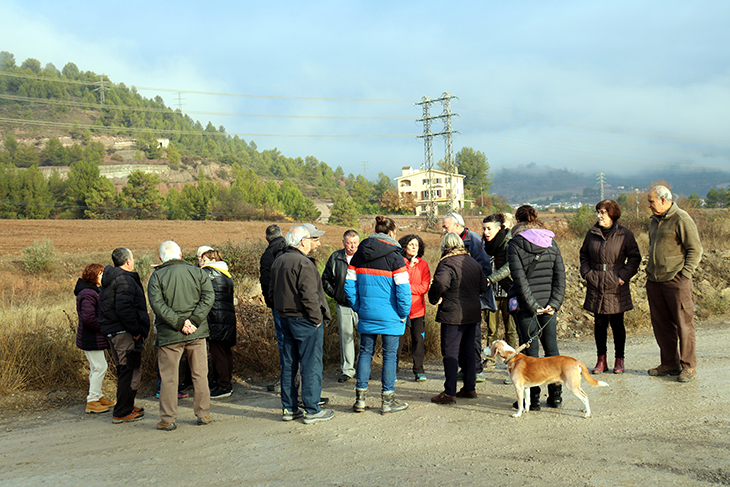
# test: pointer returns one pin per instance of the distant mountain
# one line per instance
(534, 183)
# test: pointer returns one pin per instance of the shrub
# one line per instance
(39, 257)
(580, 222)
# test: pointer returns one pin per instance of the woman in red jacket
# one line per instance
(419, 277)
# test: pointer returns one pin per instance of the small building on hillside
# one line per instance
(416, 182)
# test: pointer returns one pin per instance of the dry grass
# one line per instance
(38, 313)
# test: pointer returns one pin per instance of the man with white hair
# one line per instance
(454, 223)
(675, 251)
(299, 300)
(181, 296)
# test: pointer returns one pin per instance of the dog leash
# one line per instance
(529, 342)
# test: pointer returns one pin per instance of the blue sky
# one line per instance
(613, 86)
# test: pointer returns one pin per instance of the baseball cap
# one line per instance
(313, 232)
(203, 249)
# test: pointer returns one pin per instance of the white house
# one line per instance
(415, 182)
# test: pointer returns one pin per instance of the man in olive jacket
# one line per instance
(181, 296)
(675, 252)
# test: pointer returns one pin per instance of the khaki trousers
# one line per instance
(168, 360)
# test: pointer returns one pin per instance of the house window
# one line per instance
(425, 181)
(438, 180)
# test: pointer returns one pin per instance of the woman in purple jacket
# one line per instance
(89, 337)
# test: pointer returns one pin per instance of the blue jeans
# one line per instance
(390, 352)
(302, 345)
(279, 334)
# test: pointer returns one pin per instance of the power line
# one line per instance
(170, 111)
(211, 93)
(191, 132)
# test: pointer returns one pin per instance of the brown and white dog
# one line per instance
(527, 372)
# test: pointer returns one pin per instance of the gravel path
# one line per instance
(644, 431)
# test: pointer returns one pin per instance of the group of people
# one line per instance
(194, 314)
(513, 274)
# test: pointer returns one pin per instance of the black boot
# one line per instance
(554, 391)
(534, 399)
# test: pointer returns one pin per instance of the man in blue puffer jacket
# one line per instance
(377, 289)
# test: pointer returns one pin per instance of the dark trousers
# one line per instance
(302, 346)
(221, 360)
(528, 326)
(671, 307)
(417, 327)
(123, 347)
(457, 348)
(619, 333)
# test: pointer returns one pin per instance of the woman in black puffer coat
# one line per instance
(538, 274)
(222, 324)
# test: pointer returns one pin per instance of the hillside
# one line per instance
(535, 183)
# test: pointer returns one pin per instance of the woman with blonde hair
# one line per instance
(457, 284)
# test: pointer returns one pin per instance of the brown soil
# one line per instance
(644, 431)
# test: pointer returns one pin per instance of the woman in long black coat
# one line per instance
(222, 323)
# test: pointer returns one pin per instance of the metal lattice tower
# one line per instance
(449, 160)
(428, 157)
(601, 182)
(101, 88)
(427, 137)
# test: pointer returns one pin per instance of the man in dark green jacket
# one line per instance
(675, 252)
(181, 296)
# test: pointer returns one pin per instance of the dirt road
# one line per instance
(644, 431)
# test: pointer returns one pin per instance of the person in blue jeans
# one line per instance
(299, 300)
(378, 290)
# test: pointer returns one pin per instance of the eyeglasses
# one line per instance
(601, 213)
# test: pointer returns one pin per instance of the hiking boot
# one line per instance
(618, 368)
(554, 399)
(138, 410)
(390, 405)
(466, 394)
(182, 395)
(287, 415)
(663, 370)
(275, 387)
(420, 377)
(96, 407)
(203, 420)
(601, 365)
(481, 378)
(688, 373)
(534, 399)
(220, 393)
(508, 381)
(323, 415)
(444, 398)
(359, 405)
(106, 402)
(343, 378)
(128, 418)
(460, 376)
(163, 426)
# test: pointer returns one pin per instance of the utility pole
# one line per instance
(601, 182)
(365, 169)
(428, 156)
(179, 101)
(101, 88)
(427, 137)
